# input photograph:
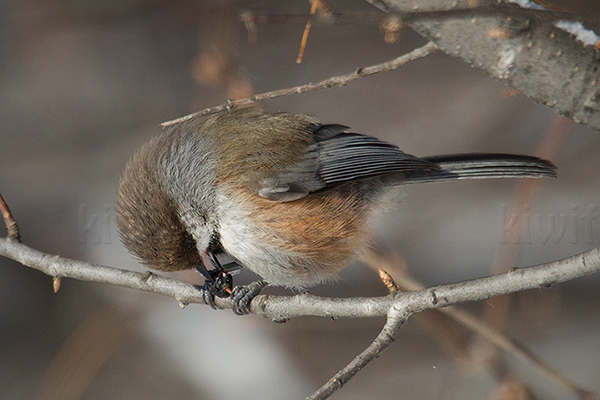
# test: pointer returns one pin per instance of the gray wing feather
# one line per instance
(349, 156)
(339, 156)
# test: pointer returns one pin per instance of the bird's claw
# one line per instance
(207, 295)
(242, 296)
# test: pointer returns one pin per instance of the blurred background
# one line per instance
(83, 84)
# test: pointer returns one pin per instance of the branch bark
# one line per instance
(281, 308)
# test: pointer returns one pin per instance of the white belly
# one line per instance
(250, 244)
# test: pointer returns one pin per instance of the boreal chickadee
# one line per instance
(288, 197)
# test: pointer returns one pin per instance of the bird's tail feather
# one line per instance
(482, 166)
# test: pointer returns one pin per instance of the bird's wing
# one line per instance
(335, 157)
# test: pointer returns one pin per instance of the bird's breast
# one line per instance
(297, 244)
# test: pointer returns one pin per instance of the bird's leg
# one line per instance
(241, 296)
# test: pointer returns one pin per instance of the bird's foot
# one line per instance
(242, 296)
(216, 283)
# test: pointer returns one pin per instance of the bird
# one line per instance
(285, 196)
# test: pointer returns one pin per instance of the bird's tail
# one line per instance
(482, 166)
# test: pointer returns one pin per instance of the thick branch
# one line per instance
(534, 57)
(280, 308)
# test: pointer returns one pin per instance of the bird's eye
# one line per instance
(189, 243)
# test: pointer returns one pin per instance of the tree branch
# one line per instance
(341, 80)
(487, 331)
(535, 57)
(398, 307)
(281, 308)
(517, 46)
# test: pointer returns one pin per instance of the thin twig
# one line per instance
(11, 225)
(327, 83)
(313, 10)
(334, 18)
(395, 320)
